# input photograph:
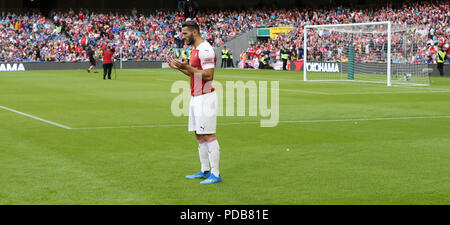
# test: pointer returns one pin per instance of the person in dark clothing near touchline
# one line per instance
(92, 60)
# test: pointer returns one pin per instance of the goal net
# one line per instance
(379, 52)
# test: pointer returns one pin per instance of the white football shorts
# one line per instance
(203, 113)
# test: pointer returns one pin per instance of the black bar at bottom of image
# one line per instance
(225, 214)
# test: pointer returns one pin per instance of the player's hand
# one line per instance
(170, 61)
(181, 64)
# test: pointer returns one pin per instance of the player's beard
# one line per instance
(190, 39)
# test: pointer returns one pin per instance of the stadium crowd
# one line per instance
(65, 36)
(31, 38)
(422, 30)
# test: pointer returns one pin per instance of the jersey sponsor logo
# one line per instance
(322, 67)
(11, 67)
(208, 60)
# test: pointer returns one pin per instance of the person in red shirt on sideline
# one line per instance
(108, 62)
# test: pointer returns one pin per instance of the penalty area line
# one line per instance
(157, 125)
(280, 122)
(36, 118)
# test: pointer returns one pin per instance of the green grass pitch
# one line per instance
(336, 143)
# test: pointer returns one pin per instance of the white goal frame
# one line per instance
(305, 38)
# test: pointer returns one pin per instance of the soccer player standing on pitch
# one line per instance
(203, 104)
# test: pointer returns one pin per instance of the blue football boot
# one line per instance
(212, 179)
(199, 175)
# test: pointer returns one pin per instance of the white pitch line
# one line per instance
(156, 125)
(368, 119)
(307, 92)
(390, 92)
(257, 122)
(132, 126)
(36, 118)
(166, 80)
(345, 82)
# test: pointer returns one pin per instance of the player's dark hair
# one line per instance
(191, 24)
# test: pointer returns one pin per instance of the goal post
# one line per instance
(376, 52)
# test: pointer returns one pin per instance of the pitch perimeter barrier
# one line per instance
(74, 65)
(378, 68)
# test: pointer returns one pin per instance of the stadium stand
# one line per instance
(64, 36)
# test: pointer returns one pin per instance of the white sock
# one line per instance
(203, 153)
(214, 156)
